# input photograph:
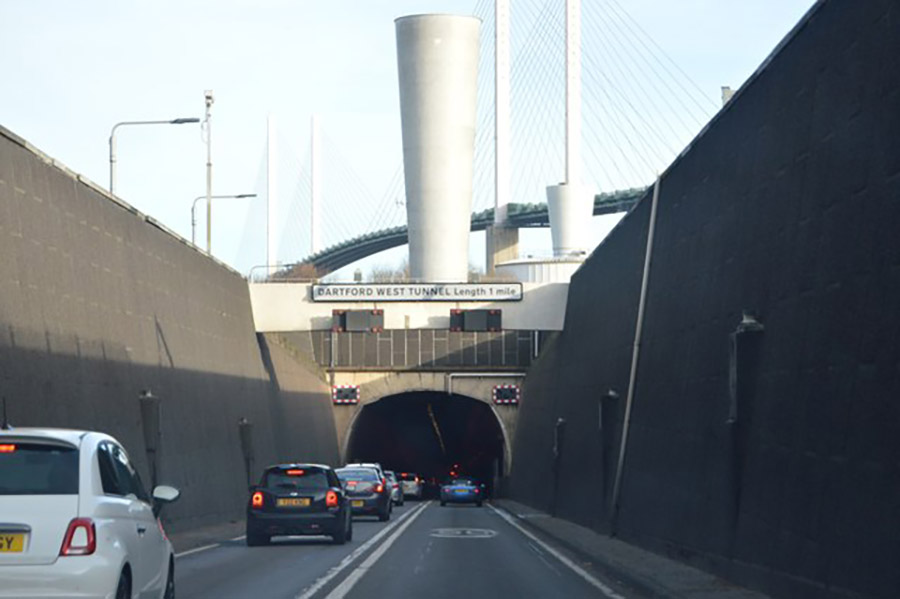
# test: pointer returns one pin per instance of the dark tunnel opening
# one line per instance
(431, 434)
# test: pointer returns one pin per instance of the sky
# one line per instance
(74, 69)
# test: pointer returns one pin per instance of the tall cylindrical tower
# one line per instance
(437, 58)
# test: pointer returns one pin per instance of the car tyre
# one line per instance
(341, 536)
(170, 581)
(255, 540)
(123, 589)
(443, 503)
(386, 515)
(478, 503)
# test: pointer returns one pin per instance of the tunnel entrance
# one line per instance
(431, 434)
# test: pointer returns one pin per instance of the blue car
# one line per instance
(462, 490)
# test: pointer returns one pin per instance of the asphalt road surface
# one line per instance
(424, 551)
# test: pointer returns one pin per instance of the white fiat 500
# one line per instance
(75, 520)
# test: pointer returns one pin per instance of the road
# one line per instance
(424, 551)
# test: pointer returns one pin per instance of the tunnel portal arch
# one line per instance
(431, 433)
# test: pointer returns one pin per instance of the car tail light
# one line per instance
(80, 539)
(7, 448)
(379, 488)
(396, 485)
(477, 491)
(257, 499)
(331, 499)
(417, 480)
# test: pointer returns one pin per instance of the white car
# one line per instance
(411, 484)
(75, 520)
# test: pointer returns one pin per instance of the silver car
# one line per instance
(396, 490)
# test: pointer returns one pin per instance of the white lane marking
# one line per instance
(205, 547)
(318, 584)
(197, 550)
(341, 590)
(541, 556)
(562, 558)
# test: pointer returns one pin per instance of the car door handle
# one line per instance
(141, 530)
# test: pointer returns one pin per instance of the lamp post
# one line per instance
(194, 216)
(112, 143)
(208, 99)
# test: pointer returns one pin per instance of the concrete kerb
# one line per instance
(649, 574)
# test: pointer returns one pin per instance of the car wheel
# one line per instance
(386, 515)
(255, 540)
(443, 503)
(478, 503)
(123, 589)
(340, 536)
(170, 582)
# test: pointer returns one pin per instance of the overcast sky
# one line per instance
(74, 68)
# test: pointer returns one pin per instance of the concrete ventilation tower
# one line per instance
(570, 204)
(437, 58)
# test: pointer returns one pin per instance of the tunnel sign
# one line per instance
(417, 292)
(345, 394)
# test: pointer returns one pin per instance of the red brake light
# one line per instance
(295, 472)
(477, 491)
(379, 488)
(404, 474)
(257, 499)
(331, 499)
(417, 480)
(80, 539)
(7, 448)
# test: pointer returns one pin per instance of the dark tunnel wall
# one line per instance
(98, 303)
(788, 206)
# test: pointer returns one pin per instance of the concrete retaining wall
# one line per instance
(97, 303)
(787, 206)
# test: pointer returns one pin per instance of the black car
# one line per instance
(298, 499)
(369, 494)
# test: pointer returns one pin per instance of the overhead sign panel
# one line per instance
(417, 292)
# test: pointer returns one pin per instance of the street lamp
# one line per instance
(112, 142)
(194, 217)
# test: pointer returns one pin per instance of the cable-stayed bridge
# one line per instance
(639, 110)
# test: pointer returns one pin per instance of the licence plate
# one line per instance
(292, 502)
(12, 542)
(356, 503)
(462, 491)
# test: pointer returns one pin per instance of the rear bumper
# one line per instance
(275, 524)
(373, 504)
(82, 577)
(461, 497)
(413, 491)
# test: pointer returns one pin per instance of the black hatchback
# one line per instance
(298, 499)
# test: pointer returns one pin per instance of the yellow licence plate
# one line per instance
(356, 503)
(12, 542)
(292, 502)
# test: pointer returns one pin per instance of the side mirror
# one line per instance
(162, 495)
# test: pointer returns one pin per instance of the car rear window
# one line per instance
(297, 478)
(357, 474)
(38, 469)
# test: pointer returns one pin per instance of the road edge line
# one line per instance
(584, 574)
